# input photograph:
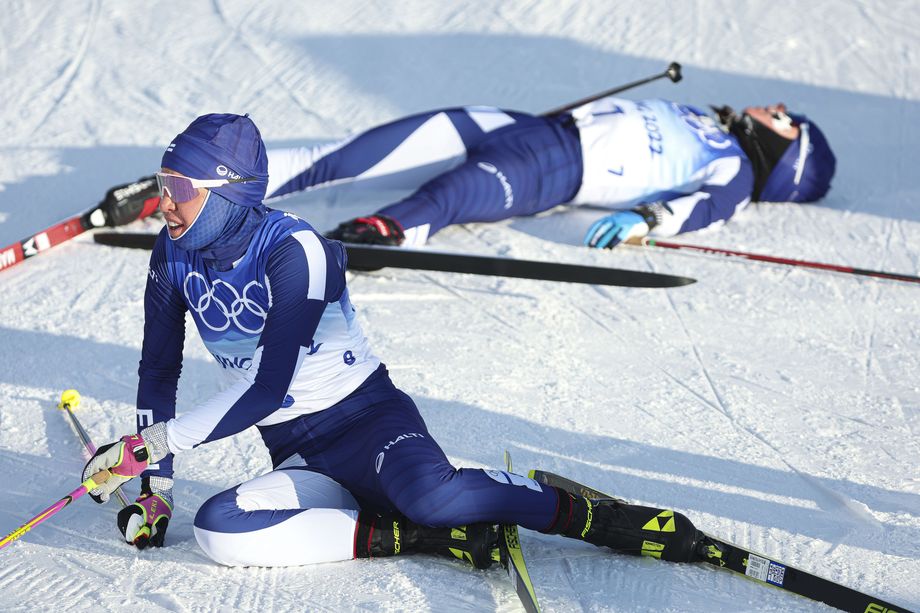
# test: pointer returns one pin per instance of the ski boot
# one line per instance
(392, 535)
(125, 203)
(629, 528)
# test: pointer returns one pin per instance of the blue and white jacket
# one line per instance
(636, 152)
(279, 325)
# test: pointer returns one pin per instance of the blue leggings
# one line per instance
(378, 447)
(524, 168)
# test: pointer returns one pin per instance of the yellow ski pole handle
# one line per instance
(90, 484)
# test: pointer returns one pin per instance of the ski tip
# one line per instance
(658, 280)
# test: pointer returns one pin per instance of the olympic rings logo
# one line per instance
(230, 314)
(704, 127)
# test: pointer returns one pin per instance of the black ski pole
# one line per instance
(672, 72)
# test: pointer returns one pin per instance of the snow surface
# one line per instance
(778, 407)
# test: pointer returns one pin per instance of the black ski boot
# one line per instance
(125, 203)
(392, 535)
(628, 528)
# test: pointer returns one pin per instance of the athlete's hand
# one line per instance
(125, 459)
(608, 232)
(370, 230)
(144, 522)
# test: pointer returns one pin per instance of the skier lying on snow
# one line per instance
(671, 167)
(356, 473)
(677, 168)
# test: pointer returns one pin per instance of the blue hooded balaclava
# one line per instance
(804, 171)
(222, 146)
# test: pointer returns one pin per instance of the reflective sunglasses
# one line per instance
(182, 189)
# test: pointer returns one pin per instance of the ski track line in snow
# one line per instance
(608, 297)
(63, 588)
(666, 477)
(601, 324)
(53, 464)
(478, 306)
(129, 387)
(72, 70)
(699, 397)
(272, 70)
(832, 499)
(98, 288)
(568, 572)
(914, 258)
(272, 592)
(869, 346)
(719, 405)
(76, 533)
(81, 568)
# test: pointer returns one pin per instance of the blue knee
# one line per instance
(217, 510)
(222, 513)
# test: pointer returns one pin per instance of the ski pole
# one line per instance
(70, 399)
(654, 242)
(672, 72)
(90, 484)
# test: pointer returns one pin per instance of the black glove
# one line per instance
(144, 522)
(725, 114)
(125, 203)
(370, 230)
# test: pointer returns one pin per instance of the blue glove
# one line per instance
(608, 232)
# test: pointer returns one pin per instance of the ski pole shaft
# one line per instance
(70, 399)
(654, 242)
(672, 72)
(90, 484)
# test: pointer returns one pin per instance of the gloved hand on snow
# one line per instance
(144, 522)
(370, 230)
(608, 232)
(126, 458)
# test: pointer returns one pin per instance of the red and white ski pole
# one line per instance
(90, 484)
(894, 276)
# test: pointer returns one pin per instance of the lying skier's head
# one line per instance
(792, 160)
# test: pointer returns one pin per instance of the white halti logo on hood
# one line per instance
(226, 172)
